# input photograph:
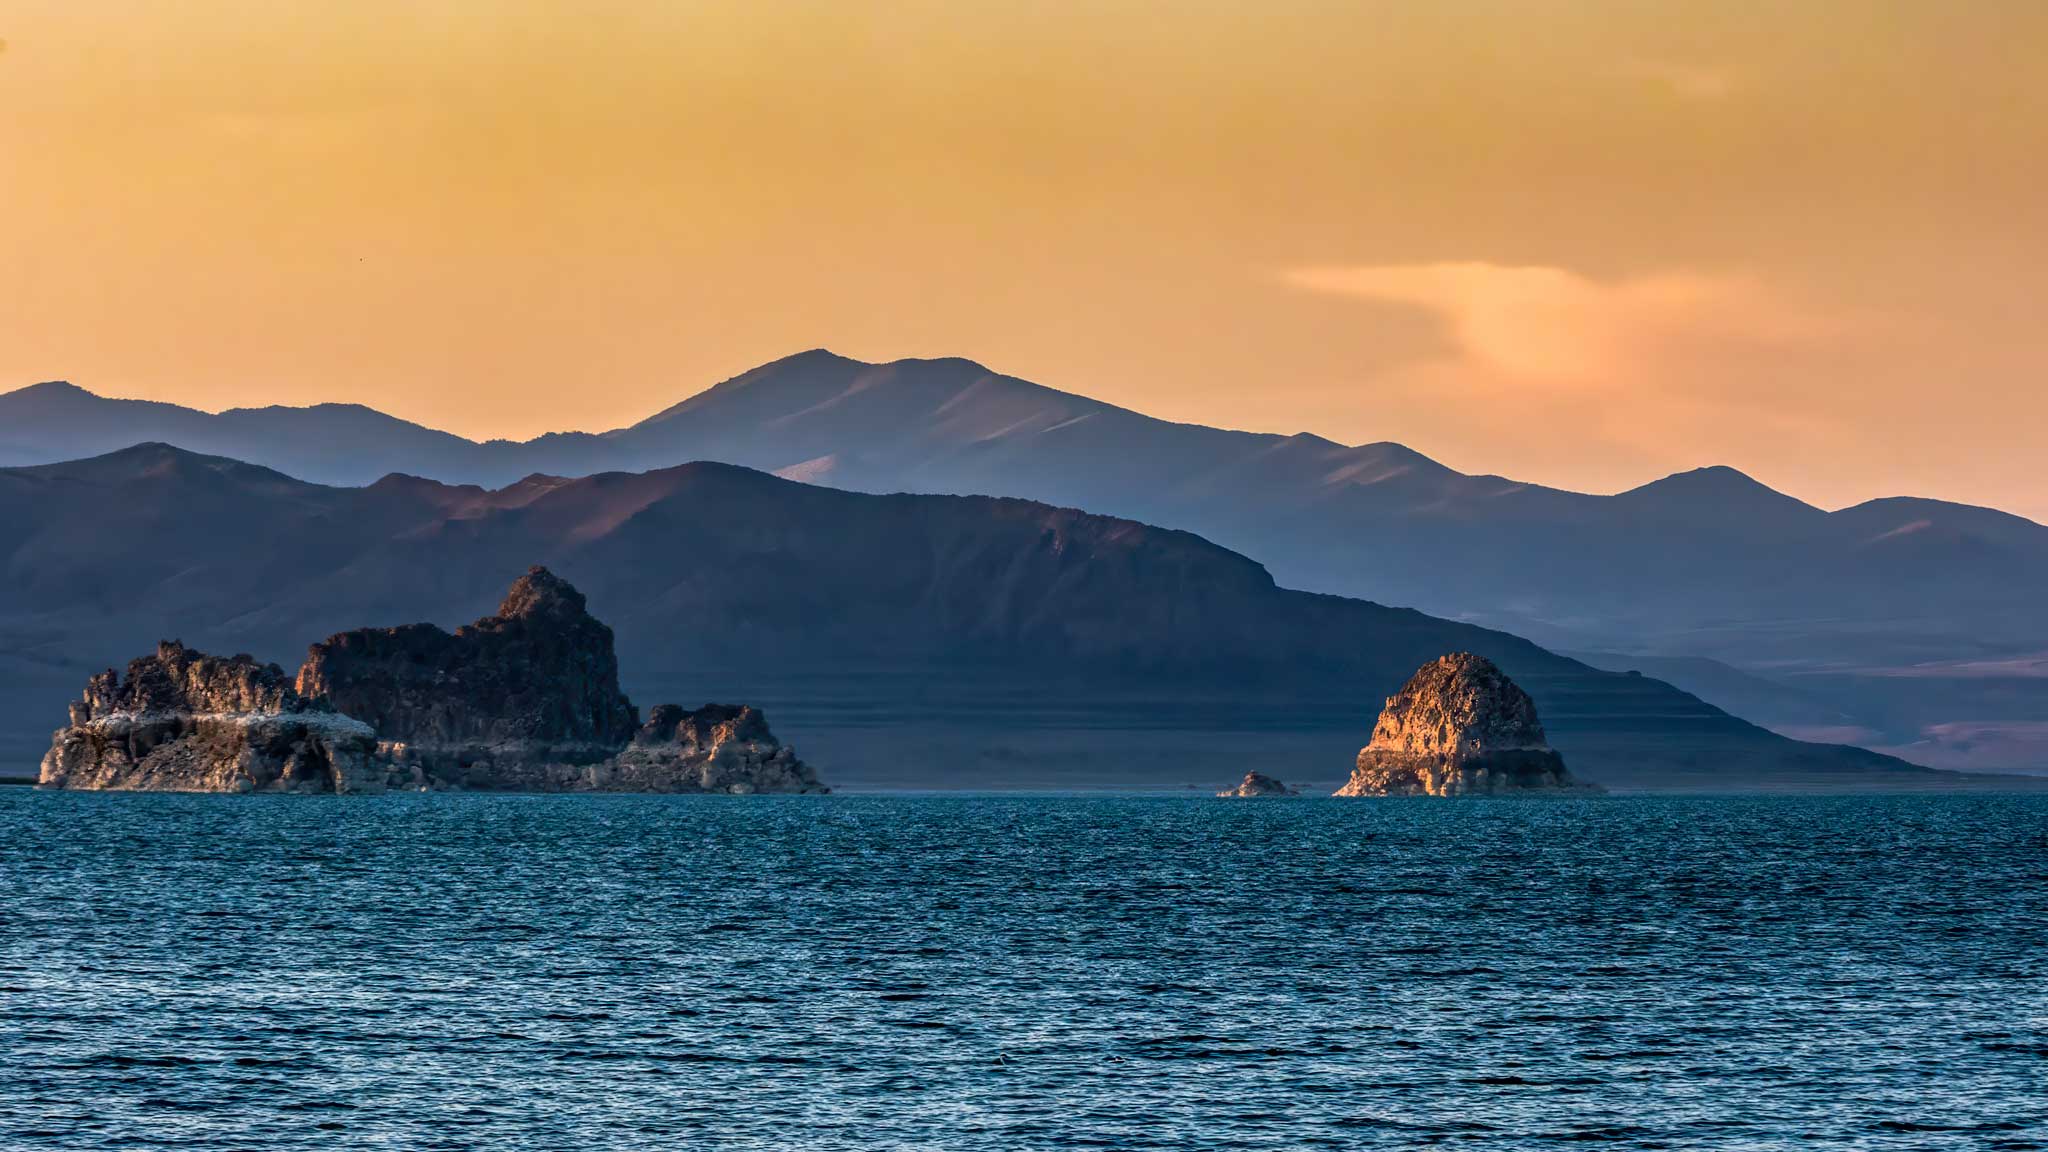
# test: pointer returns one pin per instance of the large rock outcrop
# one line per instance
(535, 683)
(526, 700)
(184, 721)
(1458, 727)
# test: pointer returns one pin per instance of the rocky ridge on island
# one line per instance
(1459, 727)
(525, 700)
(181, 720)
(1256, 785)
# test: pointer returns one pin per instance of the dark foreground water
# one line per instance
(428, 972)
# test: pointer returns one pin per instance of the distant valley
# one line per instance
(1905, 624)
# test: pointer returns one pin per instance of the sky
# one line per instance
(1582, 243)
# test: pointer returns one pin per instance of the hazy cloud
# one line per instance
(1671, 368)
(1555, 328)
(1685, 81)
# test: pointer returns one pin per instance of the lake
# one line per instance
(989, 971)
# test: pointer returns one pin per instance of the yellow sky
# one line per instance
(1585, 243)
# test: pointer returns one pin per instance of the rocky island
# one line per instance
(1458, 727)
(1258, 784)
(184, 721)
(525, 700)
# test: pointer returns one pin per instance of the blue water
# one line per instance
(426, 972)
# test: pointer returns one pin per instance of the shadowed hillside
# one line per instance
(923, 639)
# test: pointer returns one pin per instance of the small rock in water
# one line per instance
(1259, 784)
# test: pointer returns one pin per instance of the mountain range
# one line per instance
(906, 639)
(1907, 624)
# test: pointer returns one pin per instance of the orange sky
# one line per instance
(1584, 243)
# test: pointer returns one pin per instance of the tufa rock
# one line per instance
(717, 748)
(537, 680)
(1257, 784)
(185, 721)
(528, 700)
(1458, 727)
(180, 679)
(525, 700)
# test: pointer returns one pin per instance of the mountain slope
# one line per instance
(872, 618)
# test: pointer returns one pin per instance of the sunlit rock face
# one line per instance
(1258, 784)
(1458, 727)
(181, 720)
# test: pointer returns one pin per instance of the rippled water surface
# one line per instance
(1043, 972)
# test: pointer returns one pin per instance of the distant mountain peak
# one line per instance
(807, 357)
(975, 366)
(322, 407)
(50, 388)
(48, 396)
(154, 460)
(1390, 450)
(814, 357)
(1719, 487)
(154, 452)
(1712, 475)
(822, 398)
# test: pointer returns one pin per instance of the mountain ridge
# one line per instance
(1726, 477)
(1707, 563)
(1276, 441)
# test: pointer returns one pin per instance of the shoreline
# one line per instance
(2018, 786)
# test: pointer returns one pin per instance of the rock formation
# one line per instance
(1458, 727)
(1257, 784)
(717, 748)
(528, 700)
(525, 700)
(185, 721)
(537, 683)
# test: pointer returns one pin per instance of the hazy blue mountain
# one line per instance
(345, 443)
(1707, 564)
(937, 640)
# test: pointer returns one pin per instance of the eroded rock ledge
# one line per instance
(1458, 727)
(524, 700)
(185, 721)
